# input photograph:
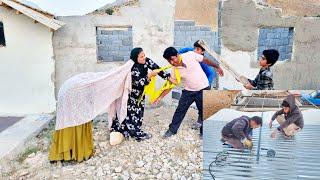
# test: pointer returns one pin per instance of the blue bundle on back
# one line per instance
(208, 70)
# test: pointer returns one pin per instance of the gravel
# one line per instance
(179, 157)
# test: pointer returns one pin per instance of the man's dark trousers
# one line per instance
(186, 99)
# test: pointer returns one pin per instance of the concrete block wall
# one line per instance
(114, 44)
(186, 33)
(276, 38)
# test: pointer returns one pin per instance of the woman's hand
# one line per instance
(152, 74)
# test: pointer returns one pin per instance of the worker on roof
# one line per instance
(289, 118)
(238, 132)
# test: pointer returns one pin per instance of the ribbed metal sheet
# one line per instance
(297, 158)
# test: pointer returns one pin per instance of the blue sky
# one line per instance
(70, 7)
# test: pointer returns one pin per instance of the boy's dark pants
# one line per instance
(186, 99)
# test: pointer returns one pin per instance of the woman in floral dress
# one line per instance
(131, 126)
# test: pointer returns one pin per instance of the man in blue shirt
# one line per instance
(208, 70)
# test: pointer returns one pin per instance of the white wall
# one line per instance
(26, 66)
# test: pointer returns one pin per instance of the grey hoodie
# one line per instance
(238, 128)
(294, 115)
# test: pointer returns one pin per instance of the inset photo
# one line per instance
(261, 135)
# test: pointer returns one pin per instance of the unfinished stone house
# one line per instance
(98, 41)
(292, 27)
(27, 60)
(102, 40)
(238, 30)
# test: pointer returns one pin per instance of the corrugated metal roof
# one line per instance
(297, 158)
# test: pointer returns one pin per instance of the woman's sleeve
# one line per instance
(137, 80)
(152, 65)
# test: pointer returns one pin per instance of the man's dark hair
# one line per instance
(170, 51)
(257, 119)
(271, 56)
(285, 104)
(196, 44)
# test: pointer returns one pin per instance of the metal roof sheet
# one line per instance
(297, 158)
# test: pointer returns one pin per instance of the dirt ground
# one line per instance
(179, 157)
(214, 100)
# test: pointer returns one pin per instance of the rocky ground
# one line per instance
(179, 157)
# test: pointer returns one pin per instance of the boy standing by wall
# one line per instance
(264, 80)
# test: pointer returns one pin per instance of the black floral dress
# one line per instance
(131, 126)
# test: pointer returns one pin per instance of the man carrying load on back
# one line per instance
(208, 70)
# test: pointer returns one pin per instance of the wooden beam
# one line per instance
(6, 6)
(224, 64)
(49, 22)
(35, 9)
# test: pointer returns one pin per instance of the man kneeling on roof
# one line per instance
(289, 118)
(238, 132)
